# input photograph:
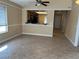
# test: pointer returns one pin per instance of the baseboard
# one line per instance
(71, 41)
(9, 38)
(38, 34)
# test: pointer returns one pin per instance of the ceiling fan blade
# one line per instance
(43, 4)
(38, 0)
(46, 2)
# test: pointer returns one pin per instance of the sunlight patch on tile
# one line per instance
(3, 48)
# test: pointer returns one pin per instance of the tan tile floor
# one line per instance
(36, 47)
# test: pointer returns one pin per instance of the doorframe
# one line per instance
(77, 35)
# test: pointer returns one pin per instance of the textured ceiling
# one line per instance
(25, 3)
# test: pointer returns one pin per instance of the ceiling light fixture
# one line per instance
(77, 2)
(41, 12)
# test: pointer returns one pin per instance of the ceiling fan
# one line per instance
(40, 2)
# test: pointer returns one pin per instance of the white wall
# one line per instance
(71, 29)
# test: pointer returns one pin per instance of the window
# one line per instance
(3, 19)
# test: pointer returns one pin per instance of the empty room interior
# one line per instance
(39, 29)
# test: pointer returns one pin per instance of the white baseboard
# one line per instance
(71, 41)
(38, 34)
(10, 38)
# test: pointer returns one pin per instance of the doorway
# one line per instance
(60, 20)
(57, 21)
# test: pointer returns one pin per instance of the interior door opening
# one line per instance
(60, 21)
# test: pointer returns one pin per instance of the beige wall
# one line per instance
(39, 29)
(14, 18)
(72, 22)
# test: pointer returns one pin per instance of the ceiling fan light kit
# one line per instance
(37, 4)
(77, 2)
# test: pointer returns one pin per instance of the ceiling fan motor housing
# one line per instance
(38, 2)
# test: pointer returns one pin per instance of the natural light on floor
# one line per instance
(3, 48)
(3, 29)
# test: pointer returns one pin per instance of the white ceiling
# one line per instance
(25, 3)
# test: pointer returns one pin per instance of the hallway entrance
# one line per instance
(60, 21)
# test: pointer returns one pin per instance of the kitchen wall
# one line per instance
(14, 17)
